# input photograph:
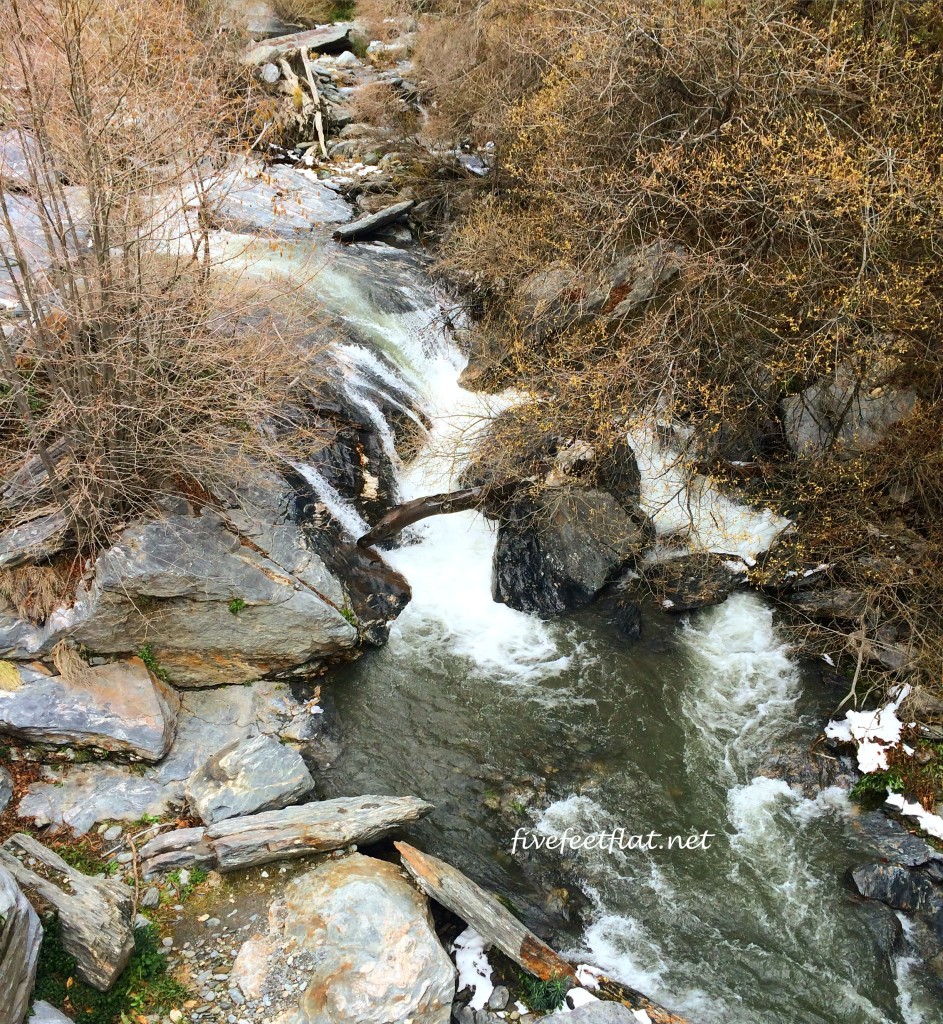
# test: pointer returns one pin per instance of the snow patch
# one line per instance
(474, 971)
(875, 732)
(932, 824)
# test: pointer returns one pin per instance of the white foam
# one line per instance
(342, 510)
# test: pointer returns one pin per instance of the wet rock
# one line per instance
(33, 541)
(692, 581)
(258, 774)
(844, 412)
(891, 841)
(171, 585)
(366, 226)
(94, 914)
(6, 788)
(557, 557)
(837, 603)
(20, 938)
(499, 998)
(883, 925)
(79, 797)
(899, 887)
(627, 618)
(377, 955)
(601, 1012)
(119, 707)
(811, 770)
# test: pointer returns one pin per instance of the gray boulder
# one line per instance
(20, 938)
(258, 774)
(33, 541)
(211, 609)
(899, 887)
(374, 955)
(557, 557)
(835, 603)
(601, 1012)
(119, 707)
(845, 413)
(692, 581)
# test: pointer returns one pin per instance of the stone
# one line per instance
(891, 841)
(325, 40)
(258, 774)
(627, 618)
(170, 585)
(899, 887)
(838, 603)
(883, 925)
(363, 227)
(376, 957)
(499, 998)
(121, 708)
(250, 968)
(33, 541)
(151, 898)
(810, 770)
(844, 413)
(46, 1013)
(6, 788)
(600, 1012)
(20, 938)
(558, 557)
(638, 276)
(82, 795)
(94, 913)
(113, 834)
(692, 581)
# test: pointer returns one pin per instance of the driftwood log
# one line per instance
(94, 914)
(20, 937)
(500, 928)
(481, 910)
(401, 516)
(365, 226)
(282, 835)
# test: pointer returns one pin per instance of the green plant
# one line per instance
(185, 890)
(543, 996)
(236, 605)
(349, 615)
(147, 656)
(143, 988)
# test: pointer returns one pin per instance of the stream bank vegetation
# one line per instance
(773, 167)
(133, 366)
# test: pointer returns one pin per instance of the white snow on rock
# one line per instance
(932, 824)
(474, 971)
(875, 732)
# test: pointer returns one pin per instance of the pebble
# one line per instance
(125, 858)
(112, 834)
(167, 943)
(151, 898)
(184, 876)
(213, 922)
(176, 1016)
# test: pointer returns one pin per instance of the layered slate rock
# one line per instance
(211, 609)
(6, 788)
(558, 557)
(258, 774)
(20, 938)
(120, 708)
(375, 957)
(33, 541)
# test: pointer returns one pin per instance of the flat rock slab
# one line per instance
(44, 1013)
(283, 835)
(78, 797)
(33, 541)
(121, 708)
(20, 938)
(374, 953)
(363, 227)
(329, 38)
(258, 774)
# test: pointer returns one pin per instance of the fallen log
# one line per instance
(94, 913)
(365, 226)
(300, 831)
(500, 928)
(401, 516)
(20, 936)
(495, 924)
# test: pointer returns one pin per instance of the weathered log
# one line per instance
(481, 910)
(20, 937)
(372, 222)
(401, 516)
(499, 927)
(94, 914)
(331, 37)
(283, 835)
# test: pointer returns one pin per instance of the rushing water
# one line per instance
(504, 722)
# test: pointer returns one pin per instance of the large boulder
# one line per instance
(258, 774)
(690, 582)
(844, 412)
(20, 937)
(210, 609)
(119, 707)
(368, 938)
(558, 556)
